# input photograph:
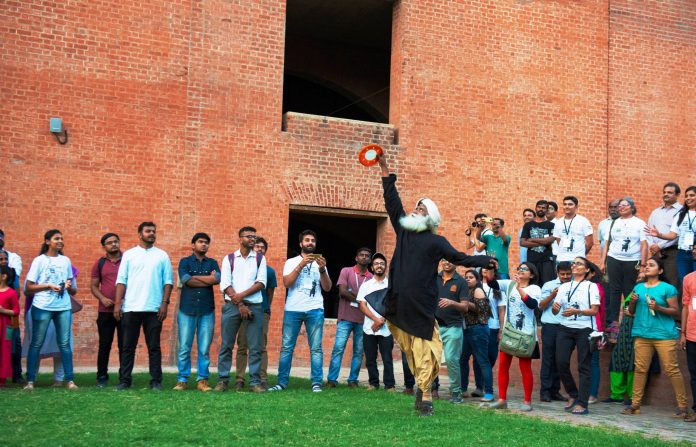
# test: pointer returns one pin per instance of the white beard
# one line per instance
(417, 223)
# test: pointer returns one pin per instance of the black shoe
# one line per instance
(102, 384)
(419, 399)
(477, 393)
(426, 408)
(19, 380)
(558, 397)
(122, 387)
(610, 400)
(156, 386)
(545, 398)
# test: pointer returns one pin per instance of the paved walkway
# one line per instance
(653, 422)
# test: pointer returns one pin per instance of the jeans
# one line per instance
(106, 326)
(452, 341)
(314, 326)
(229, 326)
(63, 321)
(550, 380)
(691, 362)
(243, 350)
(622, 278)
(477, 338)
(202, 327)
(467, 353)
(567, 340)
(16, 354)
(343, 330)
(372, 343)
(685, 264)
(595, 373)
(131, 322)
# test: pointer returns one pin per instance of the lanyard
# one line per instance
(569, 226)
(691, 221)
(359, 284)
(572, 290)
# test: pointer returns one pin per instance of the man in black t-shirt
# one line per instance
(537, 236)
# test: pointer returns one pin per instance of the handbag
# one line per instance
(514, 341)
(75, 306)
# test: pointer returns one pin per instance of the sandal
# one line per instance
(580, 411)
(691, 417)
(681, 413)
(571, 405)
(631, 410)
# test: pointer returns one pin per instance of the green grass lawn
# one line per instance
(336, 417)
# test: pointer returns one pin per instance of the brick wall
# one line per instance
(174, 114)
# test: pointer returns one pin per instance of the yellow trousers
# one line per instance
(643, 349)
(423, 356)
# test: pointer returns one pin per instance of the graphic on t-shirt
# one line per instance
(519, 321)
(538, 233)
(625, 244)
(574, 306)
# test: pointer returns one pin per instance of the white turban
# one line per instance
(433, 210)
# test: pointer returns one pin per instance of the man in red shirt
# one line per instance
(688, 334)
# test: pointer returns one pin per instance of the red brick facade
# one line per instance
(174, 114)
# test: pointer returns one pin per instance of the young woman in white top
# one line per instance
(624, 256)
(577, 302)
(684, 228)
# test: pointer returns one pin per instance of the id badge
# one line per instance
(688, 240)
(354, 304)
(566, 243)
(307, 283)
(693, 302)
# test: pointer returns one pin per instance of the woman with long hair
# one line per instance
(577, 302)
(522, 297)
(654, 306)
(476, 333)
(684, 228)
(50, 280)
(9, 308)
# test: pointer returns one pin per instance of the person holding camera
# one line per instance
(577, 302)
(242, 277)
(479, 227)
(497, 243)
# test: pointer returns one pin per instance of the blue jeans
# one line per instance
(685, 264)
(476, 343)
(492, 358)
(343, 330)
(595, 372)
(230, 323)
(314, 326)
(202, 326)
(40, 319)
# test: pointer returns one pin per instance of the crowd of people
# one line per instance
(430, 298)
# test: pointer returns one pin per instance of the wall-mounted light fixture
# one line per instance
(56, 126)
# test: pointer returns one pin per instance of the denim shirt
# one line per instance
(196, 300)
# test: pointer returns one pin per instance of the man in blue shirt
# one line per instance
(143, 287)
(261, 246)
(197, 276)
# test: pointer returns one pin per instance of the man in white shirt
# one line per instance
(604, 227)
(662, 219)
(143, 286)
(573, 232)
(243, 276)
(14, 261)
(376, 335)
(304, 277)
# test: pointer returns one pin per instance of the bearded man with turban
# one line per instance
(412, 294)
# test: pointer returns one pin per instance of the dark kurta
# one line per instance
(412, 295)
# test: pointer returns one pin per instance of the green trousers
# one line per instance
(621, 384)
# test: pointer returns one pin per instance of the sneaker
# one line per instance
(203, 386)
(526, 407)
(426, 408)
(102, 384)
(477, 393)
(222, 385)
(455, 399)
(180, 386)
(331, 384)
(122, 387)
(239, 385)
(353, 385)
(257, 389)
(156, 386)
(499, 405)
(71, 385)
(278, 387)
(29, 386)
(316, 388)
(408, 391)
(487, 398)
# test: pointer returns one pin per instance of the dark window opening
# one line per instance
(337, 59)
(338, 238)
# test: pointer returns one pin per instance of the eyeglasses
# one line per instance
(578, 263)
(522, 269)
(376, 264)
(250, 236)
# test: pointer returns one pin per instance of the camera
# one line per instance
(474, 224)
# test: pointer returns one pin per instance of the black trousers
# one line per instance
(131, 322)
(622, 278)
(106, 326)
(550, 380)
(691, 362)
(567, 340)
(371, 343)
(546, 269)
